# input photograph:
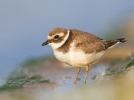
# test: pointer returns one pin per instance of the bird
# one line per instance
(78, 48)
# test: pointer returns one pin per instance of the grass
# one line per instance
(118, 70)
(20, 82)
(19, 78)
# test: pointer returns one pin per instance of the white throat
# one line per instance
(57, 45)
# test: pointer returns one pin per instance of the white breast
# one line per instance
(78, 58)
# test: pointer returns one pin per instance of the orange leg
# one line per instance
(87, 70)
(78, 71)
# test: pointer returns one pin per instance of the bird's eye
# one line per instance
(56, 36)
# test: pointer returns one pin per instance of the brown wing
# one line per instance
(83, 41)
(87, 42)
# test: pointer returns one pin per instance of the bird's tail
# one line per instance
(112, 43)
(122, 40)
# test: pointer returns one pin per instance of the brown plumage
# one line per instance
(57, 30)
(87, 42)
(83, 41)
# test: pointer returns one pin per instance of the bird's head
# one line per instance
(57, 37)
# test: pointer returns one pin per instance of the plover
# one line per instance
(78, 48)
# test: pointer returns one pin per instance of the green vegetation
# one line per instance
(21, 77)
(20, 82)
(118, 70)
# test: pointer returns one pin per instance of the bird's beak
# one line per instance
(45, 43)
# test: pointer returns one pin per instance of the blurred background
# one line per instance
(24, 26)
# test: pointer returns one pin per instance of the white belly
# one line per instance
(79, 58)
